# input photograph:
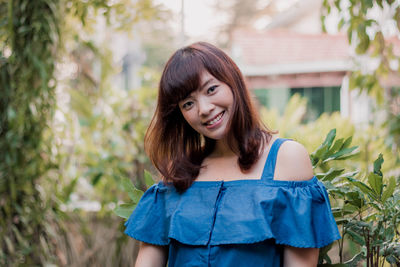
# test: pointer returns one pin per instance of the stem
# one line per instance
(371, 252)
(341, 246)
(368, 252)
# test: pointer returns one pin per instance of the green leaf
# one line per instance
(317, 154)
(341, 24)
(374, 205)
(337, 5)
(350, 39)
(323, 148)
(356, 237)
(341, 154)
(134, 193)
(375, 181)
(328, 176)
(363, 187)
(127, 185)
(389, 233)
(363, 40)
(332, 265)
(148, 179)
(124, 210)
(355, 198)
(330, 137)
(392, 259)
(362, 224)
(353, 261)
(391, 186)
(378, 164)
(96, 178)
(348, 208)
(397, 17)
(68, 189)
(340, 212)
(337, 145)
(10, 246)
(349, 174)
(347, 142)
(323, 254)
(342, 221)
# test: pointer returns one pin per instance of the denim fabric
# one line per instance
(235, 223)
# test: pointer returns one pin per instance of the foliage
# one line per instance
(102, 138)
(124, 210)
(365, 26)
(100, 124)
(34, 35)
(30, 38)
(367, 209)
(372, 139)
(372, 29)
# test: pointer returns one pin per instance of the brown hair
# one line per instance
(176, 149)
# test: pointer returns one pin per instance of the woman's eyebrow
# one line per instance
(207, 82)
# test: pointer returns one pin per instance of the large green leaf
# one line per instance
(323, 148)
(353, 262)
(134, 193)
(356, 237)
(330, 137)
(375, 181)
(363, 187)
(336, 145)
(148, 179)
(390, 187)
(124, 210)
(355, 198)
(345, 152)
(328, 176)
(378, 164)
(349, 174)
(347, 142)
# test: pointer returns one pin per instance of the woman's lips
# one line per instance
(214, 122)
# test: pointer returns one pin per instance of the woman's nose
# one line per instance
(205, 107)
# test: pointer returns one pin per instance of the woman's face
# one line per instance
(208, 110)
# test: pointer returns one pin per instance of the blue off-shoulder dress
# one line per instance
(235, 223)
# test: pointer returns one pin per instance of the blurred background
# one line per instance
(78, 86)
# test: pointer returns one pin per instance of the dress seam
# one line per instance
(216, 205)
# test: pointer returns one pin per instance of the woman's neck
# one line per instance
(222, 149)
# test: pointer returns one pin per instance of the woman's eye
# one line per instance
(212, 89)
(187, 105)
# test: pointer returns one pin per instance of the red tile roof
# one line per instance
(258, 48)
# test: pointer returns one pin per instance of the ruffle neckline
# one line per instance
(294, 213)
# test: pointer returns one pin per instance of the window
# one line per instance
(319, 99)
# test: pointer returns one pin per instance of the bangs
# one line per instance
(181, 76)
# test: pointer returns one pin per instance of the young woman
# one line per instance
(232, 193)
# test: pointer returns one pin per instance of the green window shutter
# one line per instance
(319, 100)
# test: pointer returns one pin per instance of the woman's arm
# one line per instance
(300, 257)
(152, 256)
(293, 164)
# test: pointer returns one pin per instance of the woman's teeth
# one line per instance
(216, 119)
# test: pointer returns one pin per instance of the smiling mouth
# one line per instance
(215, 119)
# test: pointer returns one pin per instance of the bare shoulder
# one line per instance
(293, 162)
